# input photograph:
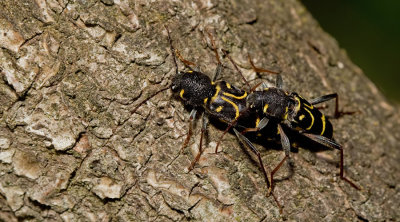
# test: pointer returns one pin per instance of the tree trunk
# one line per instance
(70, 149)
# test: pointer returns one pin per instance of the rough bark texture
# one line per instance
(70, 149)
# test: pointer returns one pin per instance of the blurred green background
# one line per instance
(369, 30)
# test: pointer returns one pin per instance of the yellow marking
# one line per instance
(234, 106)
(323, 124)
(219, 109)
(266, 89)
(301, 117)
(212, 83)
(298, 104)
(265, 108)
(181, 93)
(312, 118)
(311, 107)
(278, 131)
(190, 71)
(286, 113)
(235, 97)
(205, 100)
(228, 85)
(216, 93)
(257, 121)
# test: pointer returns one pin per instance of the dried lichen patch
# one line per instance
(107, 188)
(6, 155)
(26, 165)
(14, 196)
(10, 38)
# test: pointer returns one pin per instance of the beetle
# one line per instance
(290, 111)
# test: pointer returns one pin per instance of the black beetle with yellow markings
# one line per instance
(219, 100)
(251, 111)
(298, 112)
(290, 112)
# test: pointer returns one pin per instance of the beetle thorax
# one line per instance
(272, 102)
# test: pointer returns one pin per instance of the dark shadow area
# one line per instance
(369, 31)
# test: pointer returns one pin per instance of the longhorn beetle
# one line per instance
(290, 111)
(218, 99)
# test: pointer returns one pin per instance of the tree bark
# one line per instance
(70, 149)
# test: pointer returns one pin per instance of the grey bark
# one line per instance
(70, 149)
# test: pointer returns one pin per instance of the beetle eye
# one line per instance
(174, 87)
